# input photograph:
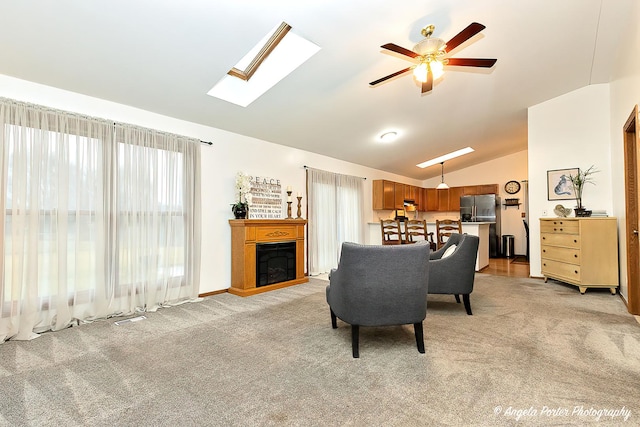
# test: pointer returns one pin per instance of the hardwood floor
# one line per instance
(504, 267)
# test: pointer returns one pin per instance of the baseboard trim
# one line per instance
(208, 294)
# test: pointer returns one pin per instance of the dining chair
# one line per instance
(391, 234)
(444, 229)
(415, 230)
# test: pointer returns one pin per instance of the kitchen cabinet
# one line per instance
(389, 195)
(454, 198)
(411, 192)
(487, 189)
(580, 251)
(432, 199)
(443, 200)
(399, 196)
(418, 198)
(383, 194)
(470, 190)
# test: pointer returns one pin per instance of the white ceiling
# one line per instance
(163, 56)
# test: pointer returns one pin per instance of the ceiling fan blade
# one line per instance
(428, 85)
(390, 76)
(399, 49)
(464, 35)
(472, 62)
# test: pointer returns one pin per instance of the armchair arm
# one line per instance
(455, 274)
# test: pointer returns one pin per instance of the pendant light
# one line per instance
(442, 185)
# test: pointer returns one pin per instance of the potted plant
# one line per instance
(240, 208)
(578, 182)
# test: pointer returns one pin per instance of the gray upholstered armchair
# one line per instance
(380, 286)
(455, 273)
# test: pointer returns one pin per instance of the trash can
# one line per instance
(507, 245)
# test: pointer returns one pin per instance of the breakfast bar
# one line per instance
(480, 229)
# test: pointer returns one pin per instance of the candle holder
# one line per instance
(299, 208)
(289, 205)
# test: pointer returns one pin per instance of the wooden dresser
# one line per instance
(580, 251)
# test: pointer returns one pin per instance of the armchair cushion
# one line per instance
(451, 249)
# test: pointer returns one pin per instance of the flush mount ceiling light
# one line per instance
(389, 136)
(278, 54)
(442, 185)
(445, 157)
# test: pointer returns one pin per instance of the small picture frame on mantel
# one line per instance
(559, 185)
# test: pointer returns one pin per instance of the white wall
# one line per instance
(229, 154)
(498, 171)
(571, 131)
(625, 93)
(587, 126)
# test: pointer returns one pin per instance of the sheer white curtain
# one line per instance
(335, 212)
(96, 222)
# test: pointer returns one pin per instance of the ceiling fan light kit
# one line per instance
(429, 54)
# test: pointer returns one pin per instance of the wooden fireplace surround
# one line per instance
(245, 235)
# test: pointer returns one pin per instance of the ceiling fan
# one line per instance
(430, 52)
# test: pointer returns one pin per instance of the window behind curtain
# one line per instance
(335, 211)
(98, 219)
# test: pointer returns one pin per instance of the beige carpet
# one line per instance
(532, 354)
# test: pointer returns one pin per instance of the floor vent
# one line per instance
(133, 319)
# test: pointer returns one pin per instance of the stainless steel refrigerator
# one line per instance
(484, 208)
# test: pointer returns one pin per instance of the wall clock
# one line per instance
(512, 187)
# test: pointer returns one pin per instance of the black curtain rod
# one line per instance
(309, 167)
(204, 142)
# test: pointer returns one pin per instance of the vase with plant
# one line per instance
(578, 182)
(240, 208)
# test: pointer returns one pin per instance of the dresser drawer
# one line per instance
(561, 270)
(556, 253)
(560, 226)
(566, 240)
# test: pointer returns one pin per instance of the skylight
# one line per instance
(272, 59)
(446, 157)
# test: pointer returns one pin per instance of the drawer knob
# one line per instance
(544, 238)
(544, 264)
(561, 229)
(575, 271)
(575, 241)
(575, 255)
(544, 250)
(555, 229)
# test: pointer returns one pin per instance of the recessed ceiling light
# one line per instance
(389, 136)
(445, 157)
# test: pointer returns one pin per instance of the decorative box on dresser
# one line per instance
(580, 251)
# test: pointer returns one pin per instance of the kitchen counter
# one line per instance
(480, 229)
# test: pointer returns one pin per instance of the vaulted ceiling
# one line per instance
(163, 56)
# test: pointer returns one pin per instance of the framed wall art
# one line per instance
(559, 185)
